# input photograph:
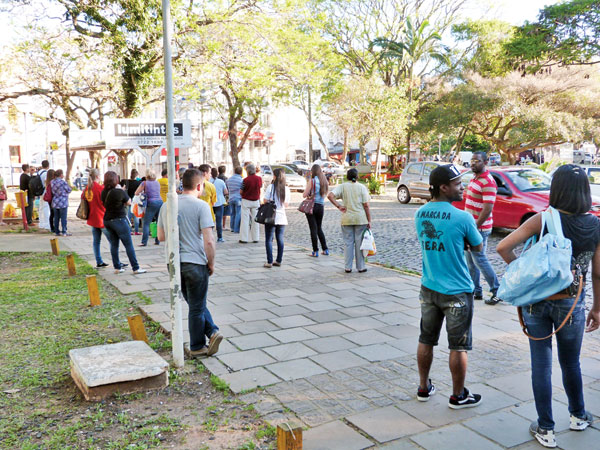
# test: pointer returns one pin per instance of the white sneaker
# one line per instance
(578, 424)
(544, 437)
(121, 270)
(140, 270)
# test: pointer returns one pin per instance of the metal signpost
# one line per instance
(172, 202)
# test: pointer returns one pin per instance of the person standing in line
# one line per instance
(3, 197)
(219, 205)
(570, 195)
(250, 192)
(93, 195)
(164, 184)
(116, 201)
(279, 193)
(226, 208)
(44, 207)
(152, 189)
(234, 184)
(479, 202)
(60, 202)
(131, 185)
(209, 193)
(356, 218)
(78, 177)
(317, 186)
(48, 198)
(24, 186)
(446, 285)
(197, 261)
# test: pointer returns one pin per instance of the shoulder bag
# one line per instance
(266, 211)
(308, 204)
(83, 211)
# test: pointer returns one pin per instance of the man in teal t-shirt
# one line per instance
(446, 287)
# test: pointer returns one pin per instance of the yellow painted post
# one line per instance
(71, 265)
(136, 326)
(289, 437)
(93, 292)
(54, 245)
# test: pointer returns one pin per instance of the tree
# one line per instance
(73, 81)
(516, 113)
(567, 33)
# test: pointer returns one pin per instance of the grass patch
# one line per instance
(45, 313)
(219, 384)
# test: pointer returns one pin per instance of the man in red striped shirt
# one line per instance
(479, 201)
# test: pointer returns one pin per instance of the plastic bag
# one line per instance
(9, 211)
(368, 244)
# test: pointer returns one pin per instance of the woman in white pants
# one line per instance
(250, 191)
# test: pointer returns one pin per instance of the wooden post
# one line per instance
(71, 265)
(93, 290)
(21, 203)
(136, 325)
(289, 437)
(54, 245)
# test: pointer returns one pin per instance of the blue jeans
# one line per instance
(194, 287)
(479, 264)
(236, 215)
(60, 216)
(541, 318)
(219, 219)
(136, 220)
(277, 230)
(353, 235)
(120, 230)
(97, 236)
(152, 210)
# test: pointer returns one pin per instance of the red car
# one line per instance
(522, 192)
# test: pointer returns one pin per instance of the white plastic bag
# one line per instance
(368, 244)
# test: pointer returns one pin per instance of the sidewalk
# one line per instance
(336, 351)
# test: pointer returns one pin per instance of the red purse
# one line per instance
(308, 204)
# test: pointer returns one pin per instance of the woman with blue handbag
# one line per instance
(563, 312)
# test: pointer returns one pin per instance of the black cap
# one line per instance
(443, 175)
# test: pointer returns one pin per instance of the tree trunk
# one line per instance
(70, 155)
(377, 159)
(321, 141)
(345, 151)
(362, 142)
(233, 143)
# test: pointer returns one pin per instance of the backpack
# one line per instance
(36, 187)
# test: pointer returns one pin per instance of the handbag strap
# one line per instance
(552, 221)
(567, 317)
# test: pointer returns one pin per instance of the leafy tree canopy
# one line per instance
(565, 34)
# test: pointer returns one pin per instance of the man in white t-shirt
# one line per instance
(197, 259)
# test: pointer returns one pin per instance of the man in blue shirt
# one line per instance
(446, 286)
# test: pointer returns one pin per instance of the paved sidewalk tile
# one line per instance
(251, 341)
(329, 329)
(294, 369)
(285, 352)
(362, 323)
(329, 344)
(249, 379)
(339, 360)
(334, 436)
(292, 321)
(579, 440)
(292, 335)
(378, 352)
(386, 424)
(245, 360)
(367, 337)
(505, 428)
(454, 437)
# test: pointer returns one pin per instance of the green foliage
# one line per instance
(487, 38)
(475, 143)
(219, 384)
(567, 33)
(375, 186)
(39, 328)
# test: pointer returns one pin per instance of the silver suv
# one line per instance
(414, 181)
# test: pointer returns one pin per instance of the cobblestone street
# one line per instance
(393, 228)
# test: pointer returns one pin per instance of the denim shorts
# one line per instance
(457, 309)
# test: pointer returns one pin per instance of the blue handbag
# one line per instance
(542, 269)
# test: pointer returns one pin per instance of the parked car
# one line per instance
(295, 168)
(331, 168)
(414, 181)
(522, 192)
(292, 179)
(302, 165)
(582, 157)
(593, 173)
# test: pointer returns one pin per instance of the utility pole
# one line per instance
(310, 144)
(172, 201)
